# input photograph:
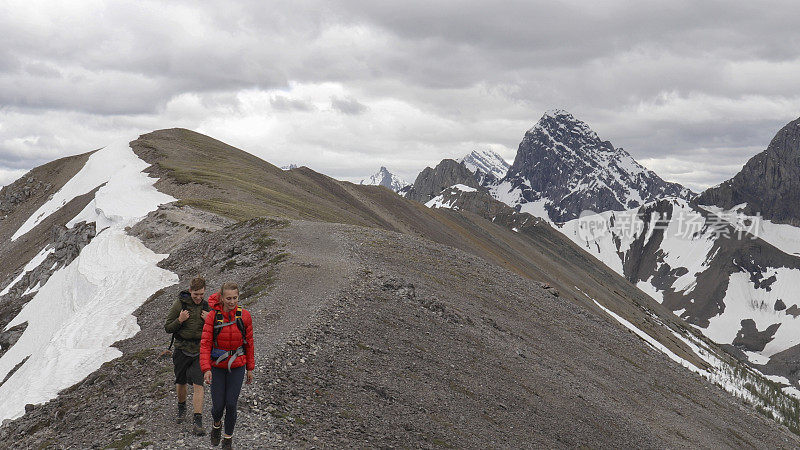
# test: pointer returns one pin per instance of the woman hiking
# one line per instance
(226, 350)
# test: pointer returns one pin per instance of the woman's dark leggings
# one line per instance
(225, 388)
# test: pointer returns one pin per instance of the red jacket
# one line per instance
(229, 338)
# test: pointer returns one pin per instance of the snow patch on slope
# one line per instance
(743, 301)
(718, 371)
(650, 340)
(487, 162)
(32, 264)
(111, 163)
(782, 236)
(440, 202)
(85, 307)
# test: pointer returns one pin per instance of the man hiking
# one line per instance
(185, 321)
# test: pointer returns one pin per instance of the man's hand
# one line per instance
(249, 376)
(183, 316)
(207, 377)
(203, 314)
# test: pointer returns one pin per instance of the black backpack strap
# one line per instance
(240, 324)
(218, 319)
(219, 323)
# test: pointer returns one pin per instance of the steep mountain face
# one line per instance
(387, 179)
(487, 165)
(720, 271)
(431, 182)
(769, 184)
(562, 168)
(715, 261)
(381, 322)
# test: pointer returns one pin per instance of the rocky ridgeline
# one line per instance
(19, 191)
(431, 182)
(769, 182)
(66, 244)
(562, 160)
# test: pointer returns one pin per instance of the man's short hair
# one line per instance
(197, 284)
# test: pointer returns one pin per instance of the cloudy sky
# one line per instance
(691, 89)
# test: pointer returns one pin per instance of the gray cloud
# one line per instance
(666, 81)
(283, 103)
(347, 106)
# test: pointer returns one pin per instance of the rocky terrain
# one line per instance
(384, 323)
(562, 168)
(431, 182)
(362, 340)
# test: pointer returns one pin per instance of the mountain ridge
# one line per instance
(769, 182)
(386, 273)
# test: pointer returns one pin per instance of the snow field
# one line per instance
(744, 301)
(439, 202)
(782, 236)
(117, 161)
(687, 243)
(87, 306)
(32, 264)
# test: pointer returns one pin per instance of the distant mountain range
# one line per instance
(725, 261)
(561, 169)
(385, 323)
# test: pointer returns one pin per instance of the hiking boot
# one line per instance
(227, 442)
(216, 433)
(198, 425)
(181, 412)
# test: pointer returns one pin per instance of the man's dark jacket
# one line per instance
(188, 333)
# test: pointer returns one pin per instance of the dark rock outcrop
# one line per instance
(19, 191)
(769, 183)
(562, 160)
(431, 182)
(749, 338)
(67, 244)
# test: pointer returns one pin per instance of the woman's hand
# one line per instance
(207, 377)
(249, 376)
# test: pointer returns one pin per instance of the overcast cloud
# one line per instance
(691, 89)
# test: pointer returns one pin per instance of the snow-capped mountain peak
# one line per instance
(563, 168)
(558, 123)
(486, 162)
(385, 178)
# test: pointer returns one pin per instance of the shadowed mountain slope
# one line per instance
(368, 338)
(769, 183)
(206, 173)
